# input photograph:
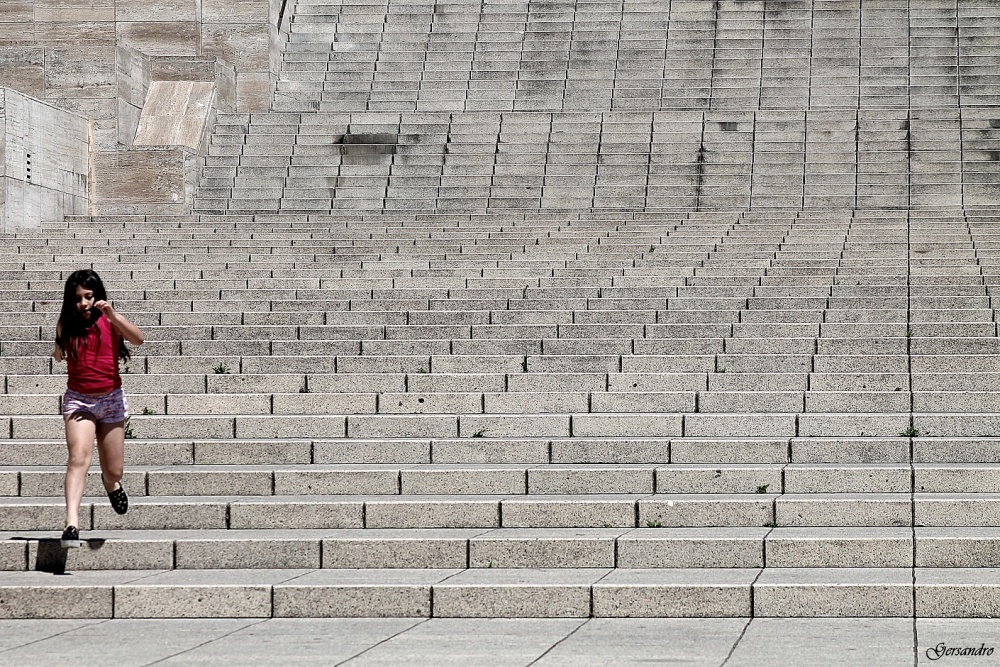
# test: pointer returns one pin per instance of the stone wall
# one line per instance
(64, 51)
(44, 157)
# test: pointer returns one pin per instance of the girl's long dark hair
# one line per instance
(73, 329)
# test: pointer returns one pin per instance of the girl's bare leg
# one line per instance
(80, 433)
(111, 449)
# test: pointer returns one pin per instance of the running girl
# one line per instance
(89, 338)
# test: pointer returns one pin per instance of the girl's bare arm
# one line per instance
(56, 350)
(129, 331)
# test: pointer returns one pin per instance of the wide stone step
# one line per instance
(433, 511)
(308, 401)
(520, 425)
(511, 479)
(456, 592)
(948, 453)
(469, 510)
(625, 548)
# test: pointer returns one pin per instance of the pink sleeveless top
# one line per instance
(94, 370)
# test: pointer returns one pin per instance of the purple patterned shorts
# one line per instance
(105, 409)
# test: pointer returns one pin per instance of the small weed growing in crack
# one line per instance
(653, 523)
(762, 488)
(221, 369)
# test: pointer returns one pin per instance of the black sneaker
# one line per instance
(118, 498)
(70, 538)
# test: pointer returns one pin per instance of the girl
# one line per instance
(89, 337)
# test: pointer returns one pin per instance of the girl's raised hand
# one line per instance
(129, 331)
(104, 307)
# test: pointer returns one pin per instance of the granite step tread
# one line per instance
(518, 510)
(582, 593)
(505, 548)
(791, 479)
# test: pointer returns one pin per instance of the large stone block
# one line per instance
(74, 10)
(22, 68)
(852, 592)
(201, 594)
(161, 37)
(175, 113)
(381, 593)
(76, 32)
(140, 176)
(516, 593)
(652, 593)
(161, 10)
(80, 71)
(246, 46)
(17, 11)
(253, 91)
(48, 601)
(236, 11)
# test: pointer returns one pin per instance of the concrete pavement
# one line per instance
(720, 642)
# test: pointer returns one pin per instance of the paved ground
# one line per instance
(721, 642)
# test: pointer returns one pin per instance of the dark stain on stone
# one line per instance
(367, 147)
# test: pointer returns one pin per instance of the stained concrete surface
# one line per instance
(714, 642)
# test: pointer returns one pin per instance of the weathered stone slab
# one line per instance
(176, 113)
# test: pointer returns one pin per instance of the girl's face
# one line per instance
(84, 303)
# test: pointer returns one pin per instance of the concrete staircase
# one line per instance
(675, 104)
(670, 309)
(474, 162)
(711, 414)
(603, 55)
